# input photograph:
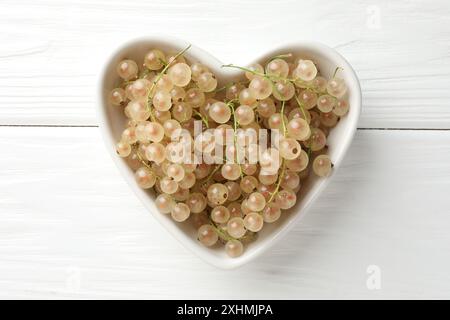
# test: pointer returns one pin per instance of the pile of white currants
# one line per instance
(229, 199)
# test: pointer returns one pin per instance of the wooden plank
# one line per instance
(52, 50)
(71, 228)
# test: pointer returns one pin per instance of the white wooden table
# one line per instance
(71, 228)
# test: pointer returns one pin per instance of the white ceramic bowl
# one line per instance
(112, 121)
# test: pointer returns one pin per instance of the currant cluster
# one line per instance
(230, 200)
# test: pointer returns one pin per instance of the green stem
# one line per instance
(209, 177)
(144, 73)
(272, 77)
(228, 85)
(269, 77)
(221, 233)
(282, 118)
(231, 105)
(141, 159)
(300, 105)
(220, 89)
(225, 236)
(163, 62)
(283, 163)
(277, 187)
(281, 56)
(336, 71)
(159, 76)
(255, 72)
(204, 119)
(244, 69)
(125, 83)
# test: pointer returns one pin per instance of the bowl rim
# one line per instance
(202, 55)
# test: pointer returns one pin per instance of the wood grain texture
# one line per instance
(71, 228)
(51, 50)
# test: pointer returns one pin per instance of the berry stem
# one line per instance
(277, 187)
(269, 77)
(283, 163)
(209, 177)
(203, 118)
(300, 105)
(280, 56)
(229, 84)
(142, 160)
(125, 83)
(223, 235)
(220, 89)
(159, 76)
(144, 73)
(163, 62)
(336, 71)
(272, 77)
(244, 69)
(231, 105)
(282, 118)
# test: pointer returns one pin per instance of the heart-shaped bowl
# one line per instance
(112, 122)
